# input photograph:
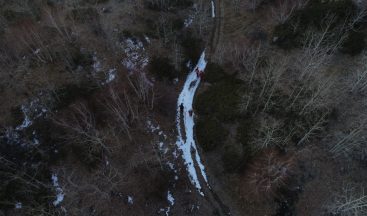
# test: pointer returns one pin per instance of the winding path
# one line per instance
(186, 142)
(187, 145)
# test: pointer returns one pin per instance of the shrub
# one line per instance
(70, 93)
(233, 157)
(15, 16)
(16, 115)
(95, 1)
(85, 15)
(192, 46)
(24, 173)
(354, 44)
(162, 68)
(177, 24)
(90, 159)
(286, 37)
(289, 34)
(220, 100)
(167, 5)
(210, 133)
(214, 73)
(81, 59)
(244, 130)
(270, 173)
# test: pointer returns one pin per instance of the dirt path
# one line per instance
(217, 28)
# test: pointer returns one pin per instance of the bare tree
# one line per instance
(313, 130)
(60, 26)
(270, 173)
(123, 109)
(351, 201)
(202, 19)
(249, 58)
(253, 4)
(320, 95)
(95, 189)
(143, 89)
(82, 130)
(350, 140)
(268, 135)
(359, 84)
(284, 9)
(317, 52)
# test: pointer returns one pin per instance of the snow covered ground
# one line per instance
(136, 57)
(98, 70)
(31, 111)
(162, 145)
(188, 147)
(58, 189)
(213, 9)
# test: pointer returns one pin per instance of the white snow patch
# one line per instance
(130, 200)
(171, 166)
(171, 201)
(189, 21)
(58, 189)
(213, 9)
(136, 57)
(147, 39)
(18, 205)
(31, 112)
(175, 80)
(188, 146)
(111, 75)
(98, 71)
(170, 198)
(37, 51)
(97, 65)
(35, 139)
(27, 121)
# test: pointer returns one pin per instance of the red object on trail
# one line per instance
(197, 72)
(190, 113)
(201, 74)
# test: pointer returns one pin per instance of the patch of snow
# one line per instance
(152, 127)
(188, 64)
(97, 65)
(27, 121)
(171, 166)
(136, 57)
(31, 111)
(171, 201)
(130, 200)
(213, 9)
(188, 146)
(111, 75)
(175, 80)
(170, 198)
(18, 205)
(37, 51)
(58, 189)
(147, 39)
(35, 141)
(189, 21)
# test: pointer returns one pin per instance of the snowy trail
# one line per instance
(188, 147)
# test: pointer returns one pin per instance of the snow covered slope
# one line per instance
(188, 147)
